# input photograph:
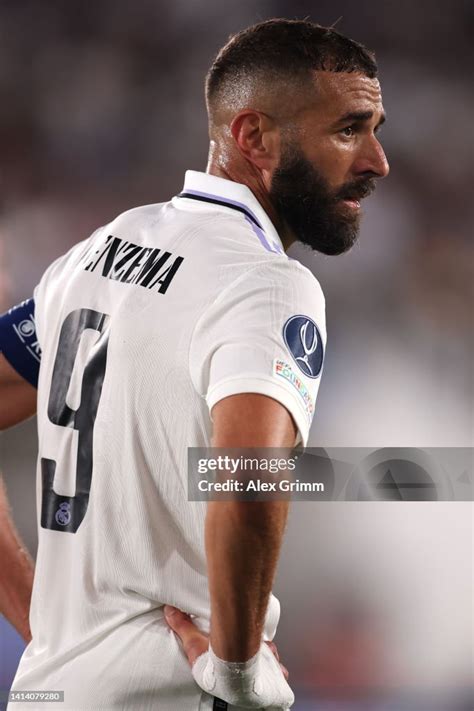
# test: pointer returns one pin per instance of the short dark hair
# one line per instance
(286, 48)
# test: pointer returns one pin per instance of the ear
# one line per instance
(258, 139)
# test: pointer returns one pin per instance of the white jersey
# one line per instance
(143, 328)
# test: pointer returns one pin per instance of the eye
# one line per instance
(348, 132)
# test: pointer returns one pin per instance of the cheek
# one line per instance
(333, 158)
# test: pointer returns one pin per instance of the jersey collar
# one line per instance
(235, 196)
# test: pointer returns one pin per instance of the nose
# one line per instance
(373, 159)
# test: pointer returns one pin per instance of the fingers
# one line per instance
(196, 642)
(274, 649)
(193, 640)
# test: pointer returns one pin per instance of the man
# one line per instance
(177, 325)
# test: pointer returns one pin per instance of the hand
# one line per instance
(25, 632)
(196, 642)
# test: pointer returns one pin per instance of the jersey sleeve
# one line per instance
(19, 341)
(266, 334)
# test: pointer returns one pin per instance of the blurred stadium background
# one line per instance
(102, 109)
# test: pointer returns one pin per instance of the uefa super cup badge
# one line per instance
(63, 514)
(305, 344)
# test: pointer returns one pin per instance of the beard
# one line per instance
(314, 213)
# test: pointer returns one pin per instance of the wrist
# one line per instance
(255, 683)
(232, 649)
(238, 667)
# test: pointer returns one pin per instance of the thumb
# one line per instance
(193, 640)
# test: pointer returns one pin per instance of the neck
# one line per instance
(241, 171)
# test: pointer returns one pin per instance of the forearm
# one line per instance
(16, 578)
(243, 541)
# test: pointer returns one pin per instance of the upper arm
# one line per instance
(17, 396)
(19, 364)
(252, 420)
(20, 351)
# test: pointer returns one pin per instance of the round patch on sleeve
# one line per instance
(305, 344)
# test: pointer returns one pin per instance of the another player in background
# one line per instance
(169, 314)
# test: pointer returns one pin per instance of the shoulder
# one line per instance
(139, 216)
(290, 271)
(282, 278)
